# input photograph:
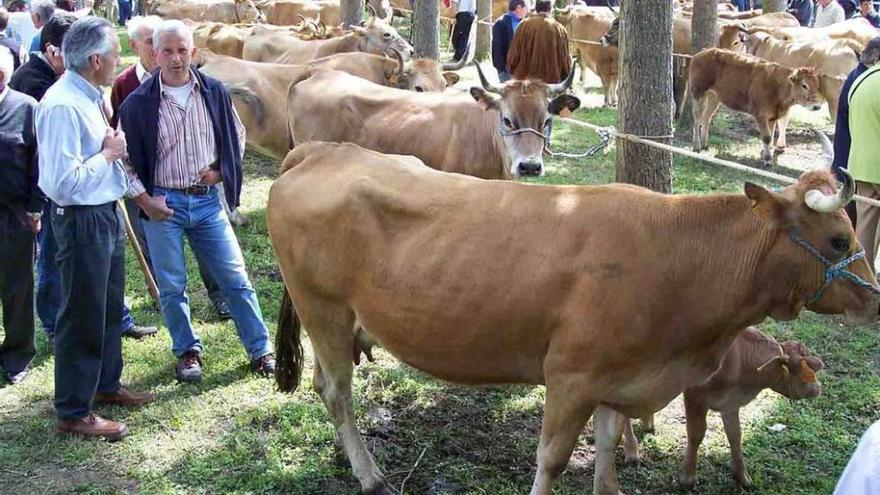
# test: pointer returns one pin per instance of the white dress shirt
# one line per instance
(832, 14)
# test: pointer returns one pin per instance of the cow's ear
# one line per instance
(770, 206)
(451, 78)
(484, 99)
(563, 102)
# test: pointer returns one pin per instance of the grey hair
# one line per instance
(43, 9)
(871, 54)
(7, 65)
(173, 26)
(88, 36)
(135, 24)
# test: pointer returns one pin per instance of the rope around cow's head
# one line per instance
(605, 136)
(834, 270)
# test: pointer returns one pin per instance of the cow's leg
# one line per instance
(707, 108)
(765, 128)
(608, 424)
(332, 339)
(607, 89)
(630, 444)
(695, 412)
(782, 129)
(697, 130)
(613, 82)
(566, 411)
(734, 436)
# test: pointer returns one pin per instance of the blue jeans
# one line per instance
(202, 220)
(49, 280)
(124, 11)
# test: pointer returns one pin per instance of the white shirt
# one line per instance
(832, 14)
(466, 6)
(862, 473)
(141, 72)
(180, 94)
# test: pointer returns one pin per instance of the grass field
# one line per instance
(234, 434)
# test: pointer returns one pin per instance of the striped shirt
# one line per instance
(186, 143)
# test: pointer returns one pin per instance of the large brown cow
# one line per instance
(257, 88)
(589, 24)
(267, 45)
(477, 281)
(227, 11)
(857, 29)
(765, 90)
(478, 134)
(287, 12)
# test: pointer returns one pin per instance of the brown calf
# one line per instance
(765, 90)
(754, 362)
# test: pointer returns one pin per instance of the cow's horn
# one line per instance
(371, 10)
(608, 3)
(303, 19)
(397, 56)
(823, 203)
(488, 87)
(559, 88)
(827, 148)
(323, 28)
(461, 62)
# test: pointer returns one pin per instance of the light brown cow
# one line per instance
(258, 89)
(266, 45)
(590, 23)
(287, 12)
(857, 29)
(477, 134)
(228, 11)
(754, 362)
(477, 281)
(228, 39)
(765, 90)
(832, 59)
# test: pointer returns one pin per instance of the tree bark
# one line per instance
(645, 93)
(352, 12)
(426, 18)
(484, 32)
(704, 34)
(775, 6)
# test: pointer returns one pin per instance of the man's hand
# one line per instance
(155, 208)
(113, 147)
(210, 176)
(34, 225)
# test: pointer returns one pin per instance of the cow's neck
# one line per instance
(351, 42)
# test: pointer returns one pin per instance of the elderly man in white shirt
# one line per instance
(828, 12)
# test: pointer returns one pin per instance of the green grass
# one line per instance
(234, 434)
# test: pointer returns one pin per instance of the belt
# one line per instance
(196, 190)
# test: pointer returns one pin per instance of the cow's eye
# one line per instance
(507, 123)
(805, 87)
(840, 244)
(419, 89)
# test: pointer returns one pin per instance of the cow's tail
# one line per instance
(251, 100)
(288, 347)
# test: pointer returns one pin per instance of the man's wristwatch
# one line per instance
(34, 216)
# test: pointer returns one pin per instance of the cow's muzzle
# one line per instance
(529, 169)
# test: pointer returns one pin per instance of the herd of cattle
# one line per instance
(501, 282)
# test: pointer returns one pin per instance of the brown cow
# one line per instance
(590, 23)
(857, 29)
(765, 90)
(257, 88)
(227, 11)
(754, 362)
(228, 39)
(477, 134)
(477, 282)
(266, 45)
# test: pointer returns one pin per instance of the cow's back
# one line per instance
(742, 82)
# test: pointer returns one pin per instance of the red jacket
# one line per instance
(125, 84)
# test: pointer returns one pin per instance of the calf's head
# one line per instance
(612, 36)
(794, 371)
(419, 75)
(524, 111)
(804, 84)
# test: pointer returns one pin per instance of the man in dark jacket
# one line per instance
(502, 35)
(842, 140)
(802, 10)
(184, 138)
(44, 68)
(849, 7)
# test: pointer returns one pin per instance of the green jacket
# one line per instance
(864, 125)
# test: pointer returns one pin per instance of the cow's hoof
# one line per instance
(778, 150)
(381, 489)
(687, 480)
(743, 482)
(631, 460)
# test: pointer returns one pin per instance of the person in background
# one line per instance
(828, 12)
(465, 11)
(13, 46)
(124, 11)
(866, 8)
(849, 8)
(21, 25)
(41, 12)
(184, 138)
(140, 39)
(44, 68)
(862, 473)
(21, 209)
(539, 49)
(502, 35)
(802, 10)
(870, 55)
(82, 173)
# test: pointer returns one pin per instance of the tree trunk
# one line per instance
(484, 32)
(425, 34)
(775, 5)
(352, 12)
(645, 93)
(704, 34)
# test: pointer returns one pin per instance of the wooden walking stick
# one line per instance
(142, 261)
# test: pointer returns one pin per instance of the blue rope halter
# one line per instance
(835, 270)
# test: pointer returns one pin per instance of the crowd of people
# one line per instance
(171, 145)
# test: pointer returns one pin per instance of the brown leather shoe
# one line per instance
(93, 426)
(125, 397)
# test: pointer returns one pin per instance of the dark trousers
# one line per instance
(88, 333)
(124, 11)
(16, 292)
(461, 33)
(48, 277)
(211, 285)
